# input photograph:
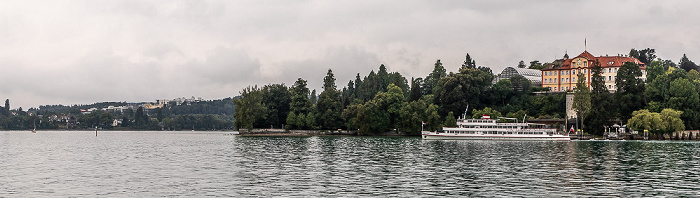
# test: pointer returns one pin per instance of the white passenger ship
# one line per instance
(490, 129)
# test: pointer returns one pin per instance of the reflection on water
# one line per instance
(148, 164)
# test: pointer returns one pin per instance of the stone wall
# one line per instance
(680, 135)
(686, 135)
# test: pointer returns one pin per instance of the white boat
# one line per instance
(490, 129)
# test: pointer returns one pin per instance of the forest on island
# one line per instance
(196, 115)
(385, 101)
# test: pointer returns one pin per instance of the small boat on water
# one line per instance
(490, 129)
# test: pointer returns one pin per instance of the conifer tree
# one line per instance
(582, 98)
(600, 114)
(629, 96)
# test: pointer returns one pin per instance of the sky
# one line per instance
(81, 52)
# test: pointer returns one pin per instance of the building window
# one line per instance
(609, 70)
(615, 70)
(609, 78)
(585, 64)
(555, 89)
(573, 72)
(567, 79)
(573, 79)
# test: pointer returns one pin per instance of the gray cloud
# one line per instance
(78, 51)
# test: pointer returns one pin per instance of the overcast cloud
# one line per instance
(81, 52)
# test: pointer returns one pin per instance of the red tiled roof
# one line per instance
(586, 55)
(617, 61)
(605, 61)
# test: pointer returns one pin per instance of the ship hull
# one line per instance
(442, 136)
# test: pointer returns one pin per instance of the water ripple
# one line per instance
(166, 164)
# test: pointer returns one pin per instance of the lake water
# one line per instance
(172, 164)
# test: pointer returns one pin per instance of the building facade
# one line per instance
(562, 76)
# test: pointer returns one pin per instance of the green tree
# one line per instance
(292, 121)
(600, 114)
(159, 114)
(645, 120)
(249, 108)
(350, 116)
(329, 106)
(672, 120)
(683, 95)
(301, 122)
(412, 115)
(669, 64)
(415, 93)
(125, 121)
(358, 84)
(469, 63)
(535, 64)
(645, 56)
(468, 87)
(501, 92)
(300, 102)
(7, 105)
(521, 84)
(687, 64)
(582, 98)
(372, 119)
(310, 121)
(433, 122)
(140, 119)
(450, 120)
(432, 79)
(486, 111)
(394, 99)
(634, 53)
(383, 77)
(629, 96)
(667, 121)
(654, 69)
(276, 98)
(521, 64)
(313, 97)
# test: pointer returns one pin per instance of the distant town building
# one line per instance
(535, 76)
(561, 74)
(149, 106)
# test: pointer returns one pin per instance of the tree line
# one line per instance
(385, 101)
(202, 115)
